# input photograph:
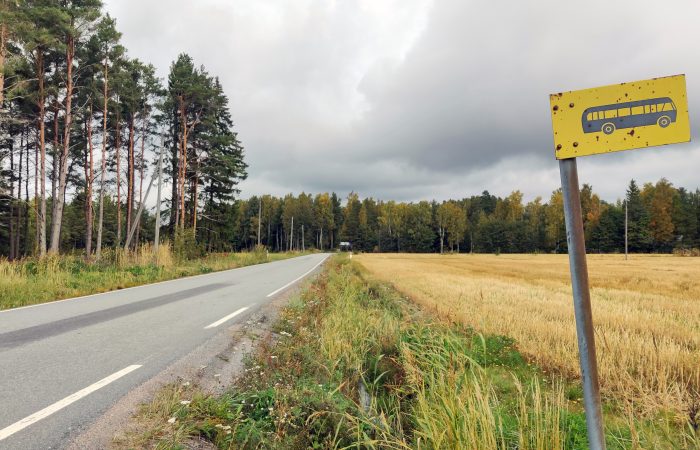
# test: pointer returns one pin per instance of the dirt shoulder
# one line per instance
(211, 367)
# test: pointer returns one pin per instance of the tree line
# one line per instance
(660, 218)
(81, 127)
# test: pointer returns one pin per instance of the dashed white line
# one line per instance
(297, 279)
(224, 319)
(37, 416)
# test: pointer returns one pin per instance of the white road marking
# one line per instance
(297, 279)
(224, 319)
(37, 416)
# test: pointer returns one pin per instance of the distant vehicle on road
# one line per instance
(608, 118)
(345, 246)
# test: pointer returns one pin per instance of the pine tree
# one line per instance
(77, 19)
(639, 239)
(105, 43)
(39, 35)
(607, 235)
(88, 97)
(351, 221)
(685, 219)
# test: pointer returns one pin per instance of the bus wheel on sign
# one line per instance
(664, 121)
(608, 128)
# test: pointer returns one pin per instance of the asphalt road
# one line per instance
(63, 364)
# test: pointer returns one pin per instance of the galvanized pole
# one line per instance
(160, 183)
(582, 302)
(626, 221)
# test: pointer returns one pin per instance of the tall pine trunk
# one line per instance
(41, 219)
(117, 145)
(98, 250)
(58, 202)
(174, 163)
(89, 179)
(54, 155)
(144, 118)
(183, 164)
(3, 54)
(12, 200)
(20, 206)
(36, 194)
(194, 198)
(26, 192)
(130, 176)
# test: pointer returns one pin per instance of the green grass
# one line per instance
(33, 281)
(352, 364)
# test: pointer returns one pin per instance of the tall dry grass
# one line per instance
(38, 280)
(646, 313)
(443, 392)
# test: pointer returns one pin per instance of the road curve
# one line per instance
(63, 364)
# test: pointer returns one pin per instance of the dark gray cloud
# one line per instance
(412, 99)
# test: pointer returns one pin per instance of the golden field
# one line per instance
(646, 312)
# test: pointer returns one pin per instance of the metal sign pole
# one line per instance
(582, 302)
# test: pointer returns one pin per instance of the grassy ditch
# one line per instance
(646, 316)
(352, 364)
(33, 281)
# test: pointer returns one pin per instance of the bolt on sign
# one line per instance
(619, 117)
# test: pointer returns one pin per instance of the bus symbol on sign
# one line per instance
(642, 113)
(623, 116)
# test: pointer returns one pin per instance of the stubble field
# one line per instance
(646, 312)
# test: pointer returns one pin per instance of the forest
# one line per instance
(82, 127)
(661, 218)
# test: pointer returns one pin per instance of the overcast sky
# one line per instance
(421, 99)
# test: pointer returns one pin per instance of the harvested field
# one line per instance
(646, 312)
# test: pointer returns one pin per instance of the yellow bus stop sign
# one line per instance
(621, 116)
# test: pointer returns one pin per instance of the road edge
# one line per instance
(212, 365)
